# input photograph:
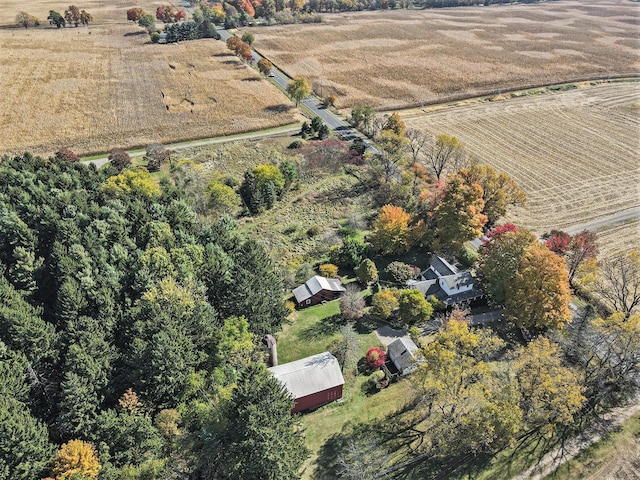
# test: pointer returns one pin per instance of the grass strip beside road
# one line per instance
(289, 128)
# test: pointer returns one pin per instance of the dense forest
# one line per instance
(129, 333)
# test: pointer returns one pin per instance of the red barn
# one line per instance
(316, 290)
(313, 381)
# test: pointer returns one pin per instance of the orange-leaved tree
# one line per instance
(459, 215)
(391, 230)
(539, 295)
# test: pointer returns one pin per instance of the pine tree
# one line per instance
(262, 440)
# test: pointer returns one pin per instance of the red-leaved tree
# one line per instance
(375, 357)
(500, 229)
(581, 248)
(557, 241)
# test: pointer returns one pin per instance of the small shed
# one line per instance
(316, 290)
(403, 353)
(312, 381)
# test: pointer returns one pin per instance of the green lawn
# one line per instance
(310, 331)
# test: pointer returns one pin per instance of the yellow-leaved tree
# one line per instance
(550, 393)
(132, 181)
(76, 458)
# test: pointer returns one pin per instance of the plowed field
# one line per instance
(576, 153)
(395, 58)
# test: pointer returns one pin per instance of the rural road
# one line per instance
(553, 460)
(99, 162)
(613, 219)
(311, 103)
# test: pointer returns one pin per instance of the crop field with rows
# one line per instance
(576, 153)
(92, 89)
(413, 57)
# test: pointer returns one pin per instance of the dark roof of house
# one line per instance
(316, 284)
(441, 266)
(467, 296)
(402, 353)
(309, 375)
(458, 280)
(427, 287)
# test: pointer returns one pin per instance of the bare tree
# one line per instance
(445, 153)
(345, 347)
(351, 303)
(618, 282)
(417, 142)
(363, 459)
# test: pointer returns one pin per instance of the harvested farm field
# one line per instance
(576, 153)
(92, 89)
(413, 57)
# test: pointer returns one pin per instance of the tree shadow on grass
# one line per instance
(251, 79)
(327, 467)
(366, 325)
(324, 328)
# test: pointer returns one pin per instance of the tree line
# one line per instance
(72, 16)
(129, 332)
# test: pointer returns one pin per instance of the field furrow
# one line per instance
(576, 153)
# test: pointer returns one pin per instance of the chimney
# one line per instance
(270, 343)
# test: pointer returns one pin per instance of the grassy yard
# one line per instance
(310, 331)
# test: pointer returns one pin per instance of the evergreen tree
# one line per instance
(256, 291)
(262, 440)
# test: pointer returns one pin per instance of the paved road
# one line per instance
(312, 103)
(99, 162)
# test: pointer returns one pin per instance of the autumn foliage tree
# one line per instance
(500, 259)
(550, 392)
(557, 241)
(395, 124)
(67, 155)
(119, 158)
(168, 14)
(582, 247)
(375, 357)
(499, 191)
(383, 304)
(135, 14)
(539, 295)
(298, 88)
(527, 278)
(459, 215)
(26, 20)
(76, 459)
(72, 15)
(391, 230)
(265, 66)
